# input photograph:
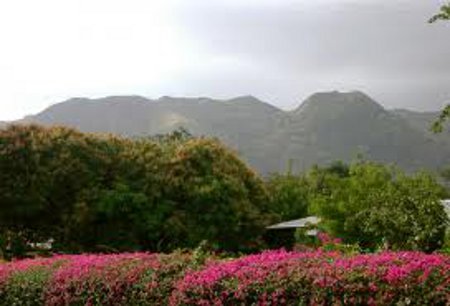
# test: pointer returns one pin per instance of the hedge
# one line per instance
(319, 278)
(122, 279)
(269, 278)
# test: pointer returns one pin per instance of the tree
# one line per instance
(44, 173)
(411, 215)
(98, 192)
(215, 197)
(288, 196)
(444, 14)
(438, 125)
(379, 205)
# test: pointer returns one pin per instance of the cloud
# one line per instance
(379, 45)
(278, 50)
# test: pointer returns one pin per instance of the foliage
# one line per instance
(102, 193)
(438, 125)
(378, 205)
(443, 15)
(216, 197)
(446, 247)
(288, 196)
(123, 279)
(269, 278)
(45, 173)
(365, 203)
(319, 278)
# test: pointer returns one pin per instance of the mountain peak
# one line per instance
(340, 101)
(246, 97)
(253, 102)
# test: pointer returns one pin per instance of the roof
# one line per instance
(312, 220)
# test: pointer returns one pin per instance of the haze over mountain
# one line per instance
(325, 127)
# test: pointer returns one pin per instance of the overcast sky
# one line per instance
(280, 51)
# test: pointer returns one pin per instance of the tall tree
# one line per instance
(44, 174)
(215, 197)
(444, 14)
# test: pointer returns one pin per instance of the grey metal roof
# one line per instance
(312, 220)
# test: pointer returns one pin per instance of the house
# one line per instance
(282, 234)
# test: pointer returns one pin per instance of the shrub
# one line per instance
(115, 279)
(23, 282)
(270, 278)
(319, 278)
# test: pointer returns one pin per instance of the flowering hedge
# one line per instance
(269, 278)
(319, 278)
(123, 279)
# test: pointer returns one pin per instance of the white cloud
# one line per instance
(53, 48)
(280, 50)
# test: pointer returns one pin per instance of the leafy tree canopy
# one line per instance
(98, 192)
(379, 205)
(444, 14)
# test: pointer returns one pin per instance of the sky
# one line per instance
(280, 51)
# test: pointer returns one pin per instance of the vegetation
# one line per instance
(288, 196)
(378, 205)
(269, 278)
(99, 193)
(368, 204)
(443, 15)
(104, 193)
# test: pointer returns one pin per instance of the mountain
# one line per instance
(422, 122)
(333, 125)
(325, 127)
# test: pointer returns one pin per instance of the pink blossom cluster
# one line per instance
(7, 270)
(319, 278)
(109, 279)
(105, 278)
(326, 239)
(269, 278)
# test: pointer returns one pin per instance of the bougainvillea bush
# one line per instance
(121, 279)
(319, 278)
(270, 278)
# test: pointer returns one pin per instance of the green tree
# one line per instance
(411, 215)
(98, 192)
(444, 14)
(44, 171)
(215, 197)
(379, 205)
(288, 196)
(118, 220)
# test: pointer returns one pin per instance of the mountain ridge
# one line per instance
(325, 127)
